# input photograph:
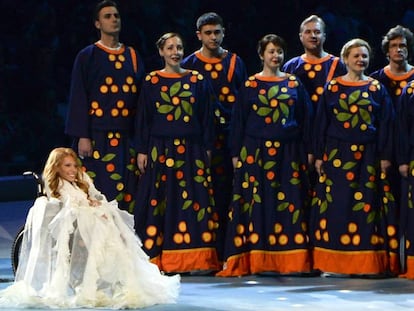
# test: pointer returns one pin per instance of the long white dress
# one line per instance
(74, 255)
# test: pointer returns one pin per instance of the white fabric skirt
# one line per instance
(74, 257)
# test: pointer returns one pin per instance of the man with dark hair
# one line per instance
(397, 45)
(103, 98)
(227, 72)
(210, 18)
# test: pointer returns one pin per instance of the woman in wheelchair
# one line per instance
(79, 250)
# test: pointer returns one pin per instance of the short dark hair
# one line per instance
(101, 5)
(270, 38)
(396, 32)
(210, 18)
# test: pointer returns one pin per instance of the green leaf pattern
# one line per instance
(250, 196)
(325, 198)
(132, 167)
(202, 177)
(274, 103)
(355, 110)
(176, 102)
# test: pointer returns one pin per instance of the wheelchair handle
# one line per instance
(38, 180)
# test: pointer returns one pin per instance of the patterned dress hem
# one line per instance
(286, 262)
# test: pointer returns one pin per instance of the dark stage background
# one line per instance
(39, 40)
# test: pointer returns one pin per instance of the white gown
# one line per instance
(74, 255)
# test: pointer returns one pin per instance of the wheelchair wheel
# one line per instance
(15, 251)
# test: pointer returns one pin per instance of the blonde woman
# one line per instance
(353, 212)
(79, 250)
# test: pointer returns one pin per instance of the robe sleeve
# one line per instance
(239, 117)
(321, 123)
(143, 120)
(78, 122)
(402, 128)
(386, 126)
(205, 116)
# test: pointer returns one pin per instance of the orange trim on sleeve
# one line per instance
(134, 59)
(232, 67)
(332, 69)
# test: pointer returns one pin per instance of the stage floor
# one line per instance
(280, 293)
(252, 292)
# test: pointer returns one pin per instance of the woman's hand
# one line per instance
(311, 160)
(142, 161)
(403, 168)
(209, 157)
(235, 160)
(85, 148)
(94, 203)
(385, 165)
(319, 167)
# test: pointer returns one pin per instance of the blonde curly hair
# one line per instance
(51, 175)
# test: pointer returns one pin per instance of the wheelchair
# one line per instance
(17, 242)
